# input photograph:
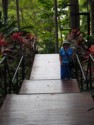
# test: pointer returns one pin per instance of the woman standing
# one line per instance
(65, 55)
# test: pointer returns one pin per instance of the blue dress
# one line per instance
(65, 69)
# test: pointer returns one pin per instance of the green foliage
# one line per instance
(47, 46)
(37, 17)
(48, 4)
(83, 3)
(63, 3)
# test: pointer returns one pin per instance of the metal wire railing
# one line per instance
(5, 77)
(79, 73)
(90, 72)
(19, 75)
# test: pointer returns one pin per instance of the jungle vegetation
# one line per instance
(38, 17)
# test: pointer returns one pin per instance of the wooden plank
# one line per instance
(46, 66)
(49, 86)
(52, 109)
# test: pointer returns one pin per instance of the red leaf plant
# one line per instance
(17, 37)
(79, 44)
(3, 43)
(20, 38)
(2, 40)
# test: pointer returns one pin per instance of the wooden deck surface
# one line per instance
(57, 109)
(49, 86)
(47, 100)
(46, 66)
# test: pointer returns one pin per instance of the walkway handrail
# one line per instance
(81, 80)
(89, 74)
(91, 57)
(3, 59)
(15, 76)
(78, 60)
(7, 83)
(17, 69)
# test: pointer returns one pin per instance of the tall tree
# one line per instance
(5, 9)
(92, 16)
(56, 27)
(74, 14)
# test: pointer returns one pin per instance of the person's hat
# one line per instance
(66, 42)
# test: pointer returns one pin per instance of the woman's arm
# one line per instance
(60, 59)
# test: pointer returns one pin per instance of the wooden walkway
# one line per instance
(47, 100)
(49, 86)
(46, 66)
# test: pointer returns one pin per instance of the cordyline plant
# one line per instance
(18, 38)
(80, 44)
(77, 40)
(17, 43)
(74, 34)
(76, 37)
(21, 38)
(3, 43)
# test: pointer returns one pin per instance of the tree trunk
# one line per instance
(5, 10)
(92, 17)
(74, 16)
(56, 28)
